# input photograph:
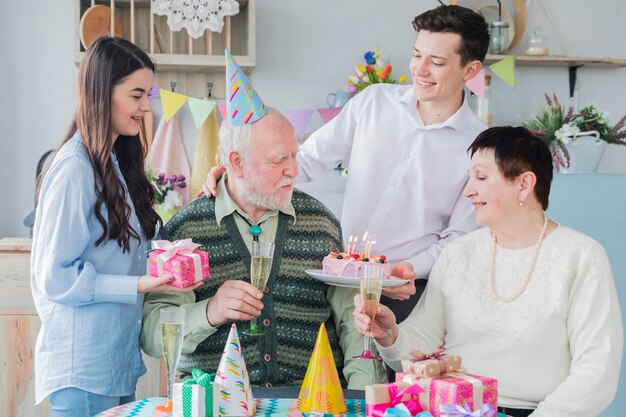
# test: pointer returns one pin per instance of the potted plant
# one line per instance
(577, 140)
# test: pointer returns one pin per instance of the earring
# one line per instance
(521, 203)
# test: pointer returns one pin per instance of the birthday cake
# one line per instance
(345, 264)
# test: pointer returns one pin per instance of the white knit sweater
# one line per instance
(557, 348)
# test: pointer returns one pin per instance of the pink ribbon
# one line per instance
(419, 356)
(413, 404)
(183, 247)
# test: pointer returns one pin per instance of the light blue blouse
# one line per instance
(86, 295)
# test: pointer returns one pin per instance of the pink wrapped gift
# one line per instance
(431, 364)
(181, 259)
(458, 388)
(380, 397)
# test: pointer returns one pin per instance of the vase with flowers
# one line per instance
(167, 200)
(577, 140)
(376, 70)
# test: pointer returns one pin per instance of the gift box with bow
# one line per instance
(457, 388)
(194, 397)
(381, 397)
(181, 259)
(431, 364)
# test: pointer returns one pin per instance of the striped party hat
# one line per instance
(243, 104)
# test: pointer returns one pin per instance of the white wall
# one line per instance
(305, 50)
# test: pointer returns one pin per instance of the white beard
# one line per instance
(253, 192)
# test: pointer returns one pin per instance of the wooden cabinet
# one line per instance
(19, 326)
(191, 63)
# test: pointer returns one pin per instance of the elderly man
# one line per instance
(257, 189)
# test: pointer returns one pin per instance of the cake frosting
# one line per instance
(346, 264)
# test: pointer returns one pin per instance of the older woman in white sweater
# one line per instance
(524, 300)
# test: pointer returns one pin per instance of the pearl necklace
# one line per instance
(531, 268)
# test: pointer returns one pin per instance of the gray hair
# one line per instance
(233, 138)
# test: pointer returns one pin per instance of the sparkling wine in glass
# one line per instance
(172, 327)
(260, 266)
(371, 286)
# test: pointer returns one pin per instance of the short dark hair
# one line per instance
(470, 25)
(516, 151)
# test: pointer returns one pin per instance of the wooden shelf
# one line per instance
(191, 63)
(560, 61)
(184, 63)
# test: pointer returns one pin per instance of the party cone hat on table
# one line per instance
(232, 384)
(243, 104)
(321, 390)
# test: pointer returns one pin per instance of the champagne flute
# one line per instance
(260, 266)
(172, 327)
(371, 286)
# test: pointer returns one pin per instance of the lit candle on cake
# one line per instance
(363, 242)
(369, 247)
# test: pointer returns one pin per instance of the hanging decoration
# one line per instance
(195, 15)
(505, 70)
(477, 84)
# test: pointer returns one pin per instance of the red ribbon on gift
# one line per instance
(413, 404)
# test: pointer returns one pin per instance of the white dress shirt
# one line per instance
(405, 179)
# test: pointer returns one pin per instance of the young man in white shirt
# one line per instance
(407, 147)
(408, 150)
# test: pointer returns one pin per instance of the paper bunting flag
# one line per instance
(234, 394)
(153, 93)
(242, 102)
(477, 84)
(321, 390)
(207, 142)
(329, 113)
(172, 102)
(505, 69)
(200, 110)
(223, 110)
(299, 119)
(168, 154)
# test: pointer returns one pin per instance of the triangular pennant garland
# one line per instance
(329, 113)
(477, 84)
(200, 110)
(321, 390)
(153, 93)
(299, 119)
(207, 143)
(505, 69)
(243, 103)
(232, 382)
(172, 102)
(223, 110)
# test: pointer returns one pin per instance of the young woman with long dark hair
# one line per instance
(94, 220)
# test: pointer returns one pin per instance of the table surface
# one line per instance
(265, 407)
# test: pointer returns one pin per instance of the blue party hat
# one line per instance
(243, 104)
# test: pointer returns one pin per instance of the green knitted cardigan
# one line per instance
(295, 305)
